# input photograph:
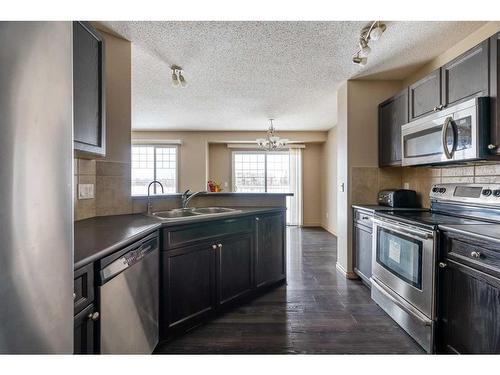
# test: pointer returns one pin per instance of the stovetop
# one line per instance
(428, 219)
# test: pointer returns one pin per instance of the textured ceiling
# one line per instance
(242, 73)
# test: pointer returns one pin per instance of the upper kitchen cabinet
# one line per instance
(393, 113)
(494, 87)
(425, 95)
(466, 76)
(88, 90)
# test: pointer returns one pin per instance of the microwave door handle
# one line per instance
(444, 130)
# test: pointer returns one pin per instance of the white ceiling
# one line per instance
(242, 73)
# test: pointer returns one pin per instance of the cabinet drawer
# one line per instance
(83, 287)
(476, 254)
(363, 218)
(190, 234)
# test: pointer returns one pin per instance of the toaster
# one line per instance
(398, 198)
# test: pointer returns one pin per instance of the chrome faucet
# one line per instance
(186, 198)
(150, 206)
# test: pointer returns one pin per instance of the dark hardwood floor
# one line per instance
(318, 311)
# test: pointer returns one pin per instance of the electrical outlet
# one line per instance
(326, 215)
(225, 184)
(406, 185)
(85, 191)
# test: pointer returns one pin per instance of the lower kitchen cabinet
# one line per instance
(469, 316)
(188, 280)
(271, 250)
(362, 244)
(84, 328)
(234, 268)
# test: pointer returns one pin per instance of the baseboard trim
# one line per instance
(329, 230)
(347, 274)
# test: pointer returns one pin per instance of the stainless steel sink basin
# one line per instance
(183, 213)
(174, 214)
(213, 210)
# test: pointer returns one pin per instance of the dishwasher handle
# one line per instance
(128, 259)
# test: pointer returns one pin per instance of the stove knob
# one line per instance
(486, 192)
(442, 190)
(435, 189)
(496, 193)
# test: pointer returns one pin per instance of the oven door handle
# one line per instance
(446, 125)
(403, 229)
(412, 311)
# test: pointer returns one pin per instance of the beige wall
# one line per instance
(329, 186)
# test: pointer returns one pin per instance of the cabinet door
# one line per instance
(234, 267)
(393, 113)
(187, 290)
(469, 310)
(363, 252)
(88, 89)
(494, 87)
(84, 327)
(466, 76)
(271, 249)
(425, 95)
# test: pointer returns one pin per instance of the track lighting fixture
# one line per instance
(373, 31)
(177, 77)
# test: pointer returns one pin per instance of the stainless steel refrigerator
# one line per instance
(36, 172)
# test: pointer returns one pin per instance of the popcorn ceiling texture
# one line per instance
(242, 73)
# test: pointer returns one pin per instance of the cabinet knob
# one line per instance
(74, 296)
(475, 254)
(214, 247)
(492, 147)
(257, 219)
(442, 265)
(440, 107)
(93, 316)
(435, 109)
(219, 246)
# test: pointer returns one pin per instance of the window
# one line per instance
(154, 162)
(260, 172)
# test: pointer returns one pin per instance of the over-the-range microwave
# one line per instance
(456, 134)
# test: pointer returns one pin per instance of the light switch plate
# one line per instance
(85, 191)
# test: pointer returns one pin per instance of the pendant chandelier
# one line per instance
(271, 142)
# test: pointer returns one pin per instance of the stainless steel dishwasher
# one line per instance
(129, 298)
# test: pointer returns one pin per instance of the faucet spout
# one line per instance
(150, 205)
(186, 198)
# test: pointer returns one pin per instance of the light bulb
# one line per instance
(377, 31)
(175, 79)
(364, 49)
(182, 80)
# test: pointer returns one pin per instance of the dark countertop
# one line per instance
(489, 232)
(375, 207)
(100, 236)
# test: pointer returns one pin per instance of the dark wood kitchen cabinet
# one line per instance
(234, 267)
(188, 283)
(270, 264)
(494, 92)
(392, 114)
(88, 91)
(425, 95)
(468, 295)
(466, 76)
(362, 244)
(83, 333)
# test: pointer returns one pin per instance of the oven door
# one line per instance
(448, 136)
(404, 261)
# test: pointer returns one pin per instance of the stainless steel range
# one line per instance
(405, 252)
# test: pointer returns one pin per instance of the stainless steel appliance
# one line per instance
(129, 298)
(398, 198)
(36, 175)
(458, 133)
(405, 250)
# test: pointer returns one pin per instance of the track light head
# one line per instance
(175, 78)
(377, 31)
(358, 60)
(182, 80)
(364, 49)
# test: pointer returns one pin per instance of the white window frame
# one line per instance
(253, 152)
(177, 163)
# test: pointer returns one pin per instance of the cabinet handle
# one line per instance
(475, 254)
(93, 316)
(364, 217)
(442, 265)
(214, 247)
(492, 147)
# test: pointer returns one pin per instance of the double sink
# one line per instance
(182, 213)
